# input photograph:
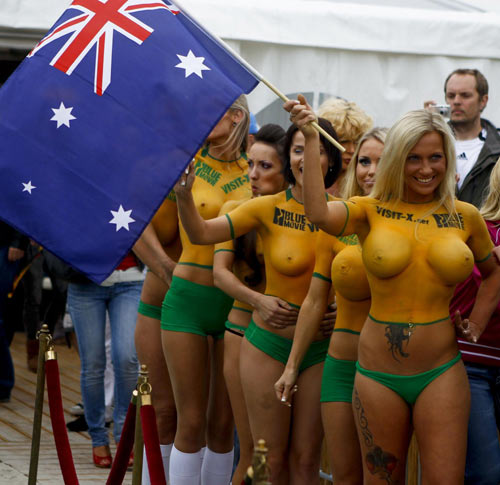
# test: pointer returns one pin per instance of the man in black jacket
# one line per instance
(477, 140)
(12, 248)
(478, 149)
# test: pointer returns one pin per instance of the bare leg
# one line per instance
(383, 423)
(342, 442)
(440, 417)
(220, 426)
(187, 358)
(307, 429)
(232, 345)
(150, 352)
(269, 419)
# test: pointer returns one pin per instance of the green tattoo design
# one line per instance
(379, 462)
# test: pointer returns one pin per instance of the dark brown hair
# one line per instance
(333, 154)
(245, 246)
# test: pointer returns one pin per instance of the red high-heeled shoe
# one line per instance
(102, 461)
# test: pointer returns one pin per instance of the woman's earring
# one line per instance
(234, 123)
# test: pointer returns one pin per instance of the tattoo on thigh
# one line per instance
(379, 462)
(396, 335)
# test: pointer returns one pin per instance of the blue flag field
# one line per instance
(100, 119)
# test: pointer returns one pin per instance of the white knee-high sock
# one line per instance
(166, 451)
(165, 455)
(217, 468)
(185, 468)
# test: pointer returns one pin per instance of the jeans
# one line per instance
(7, 273)
(483, 449)
(87, 305)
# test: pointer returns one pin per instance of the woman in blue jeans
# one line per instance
(88, 303)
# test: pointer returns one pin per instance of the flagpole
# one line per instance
(256, 73)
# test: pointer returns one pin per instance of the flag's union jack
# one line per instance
(95, 26)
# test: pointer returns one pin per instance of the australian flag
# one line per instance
(100, 119)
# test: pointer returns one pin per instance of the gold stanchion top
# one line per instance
(145, 392)
(44, 336)
(143, 376)
(44, 331)
(143, 386)
(259, 464)
(261, 446)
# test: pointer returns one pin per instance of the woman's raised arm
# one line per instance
(199, 230)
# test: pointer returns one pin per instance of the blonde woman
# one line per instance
(163, 228)
(350, 123)
(194, 311)
(338, 264)
(418, 243)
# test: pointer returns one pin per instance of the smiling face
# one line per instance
(297, 157)
(265, 170)
(368, 157)
(464, 100)
(425, 168)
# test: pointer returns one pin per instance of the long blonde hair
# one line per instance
(401, 138)
(350, 186)
(490, 210)
(237, 140)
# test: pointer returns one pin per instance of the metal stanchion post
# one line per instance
(259, 464)
(44, 338)
(138, 440)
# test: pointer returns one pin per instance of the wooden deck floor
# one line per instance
(16, 421)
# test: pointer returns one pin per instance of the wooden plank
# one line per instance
(16, 425)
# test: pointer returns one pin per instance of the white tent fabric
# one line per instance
(388, 58)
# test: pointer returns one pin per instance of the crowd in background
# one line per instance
(297, 292)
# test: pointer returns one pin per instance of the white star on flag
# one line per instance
(62, 115)
(192, 64)
(28, 187)
(121, 218)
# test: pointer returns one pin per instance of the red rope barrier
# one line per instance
(152, 444)
(124, 449)
(58, 425)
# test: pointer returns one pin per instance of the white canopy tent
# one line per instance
(387, 56)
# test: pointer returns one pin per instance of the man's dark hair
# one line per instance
(481, 83)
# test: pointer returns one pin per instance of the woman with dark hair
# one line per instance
(293, 435)
(239, 272)
(339, 266)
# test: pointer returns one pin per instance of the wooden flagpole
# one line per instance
(256, 73)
